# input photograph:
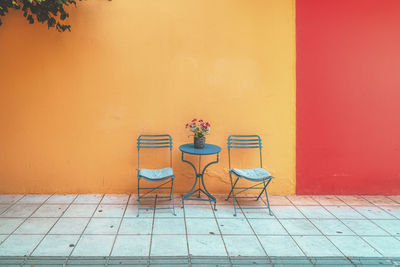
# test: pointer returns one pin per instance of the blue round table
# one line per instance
(207, 150)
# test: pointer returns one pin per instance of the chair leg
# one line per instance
(138, 197)
(266, 196)
(262, 191)
(233, 186)
(171, 195)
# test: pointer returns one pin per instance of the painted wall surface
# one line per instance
(348, 91)
(73, 104)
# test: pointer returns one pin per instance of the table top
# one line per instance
(207, 150)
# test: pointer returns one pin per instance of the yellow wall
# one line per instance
(73, 104)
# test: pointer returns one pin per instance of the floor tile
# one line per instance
(131, 211)
(353, 246)
(61, 199)
(287, 212)
(36, 226)
(279, 201)
(136, 226)
(243, 246)
(315, 212)
(110, 211)
(206, 245)
(390, 226)
(145, 202)
(251, 202)
(8, 225)
(317, 246)
(380, 200)
(165, 211)
(131, 245)
(238, 226)
(364, 227)
(202, 211)
(387, 246)
(9, 198)
(173, 226)
(133, 199)
(221, 200)
(50, 210)
(280, 246)
(302, 200)
(395, 198)
(261, 212)
(80, 210)
(115, 199)
(392, 210)
(299, 227)
(19, 245)
(56, 245)
(20, 210)
(34, 199)
(73, 226)
(88, 199)
(344, 212)
(169, 245)
(267, 227)
(102, 226)
(202, 226)
(94, 245)
(3, 237)
(332, 227)
(328, 200)
(373, 212)
(3, 207)
(226, 211)
(355, 200)
(166, 200)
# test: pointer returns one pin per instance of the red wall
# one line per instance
(348, 96)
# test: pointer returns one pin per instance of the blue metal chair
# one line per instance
(155, 175)
(258, 175)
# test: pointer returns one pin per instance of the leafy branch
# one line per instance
(51, 12)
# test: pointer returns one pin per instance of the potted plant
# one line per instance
(199, 128)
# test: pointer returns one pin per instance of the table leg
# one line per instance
(199, 179)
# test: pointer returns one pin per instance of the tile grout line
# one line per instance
(301, 249)
(116, 234)
(84, 229)
(254, 232)
(46, 234)
(355, 234)
(186, 235)
(308, 219)
(363, 218)
(368, 219)
(222, 236)
(24, 220)
(152, 228)
(25, 258)
(12, 204)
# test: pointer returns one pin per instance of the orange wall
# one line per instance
(73, 104)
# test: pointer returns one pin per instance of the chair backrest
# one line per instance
(154, 141)
(243, 142)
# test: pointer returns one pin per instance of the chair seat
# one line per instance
(156, 174)
(252, 174)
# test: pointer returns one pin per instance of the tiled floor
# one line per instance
(305, 229)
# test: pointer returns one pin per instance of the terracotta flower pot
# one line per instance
(199, 142)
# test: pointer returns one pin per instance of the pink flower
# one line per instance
(194, 120)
